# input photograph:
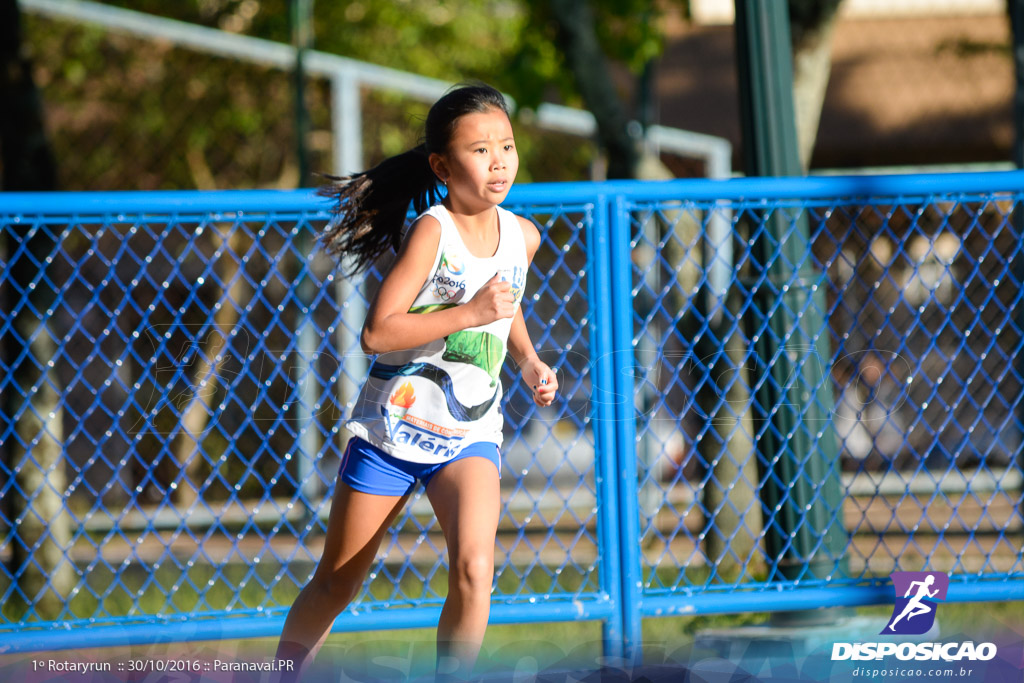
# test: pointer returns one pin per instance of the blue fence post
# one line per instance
(603, 396)
(624, 363)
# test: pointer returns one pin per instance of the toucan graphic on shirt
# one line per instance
(482, 349)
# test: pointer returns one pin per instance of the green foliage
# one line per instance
(510, 43)
(629, 32)
(124, 113)
(130, 113)
(452, 40)
(449, 40)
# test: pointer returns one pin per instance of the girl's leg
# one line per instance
(357, 523)
(467, 502)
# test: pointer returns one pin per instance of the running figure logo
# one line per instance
(914, 612)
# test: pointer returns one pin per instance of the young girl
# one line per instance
(440, 324)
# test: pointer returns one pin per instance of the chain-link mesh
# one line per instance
(199, 435)
(844, 403)
(916, 414)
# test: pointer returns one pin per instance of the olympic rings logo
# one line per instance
(447, 289)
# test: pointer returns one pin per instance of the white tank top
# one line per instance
(425, 404)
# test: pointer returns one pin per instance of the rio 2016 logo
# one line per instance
(916, 595)
(452, 263)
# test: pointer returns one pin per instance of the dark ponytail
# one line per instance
(371, 206)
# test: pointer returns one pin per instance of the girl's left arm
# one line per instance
(535, 372)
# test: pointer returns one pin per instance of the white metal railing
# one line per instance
(347, 76)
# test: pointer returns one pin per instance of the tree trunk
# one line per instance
(577, 39)
(1015, 9)
(31, 434)
(28, 163)
(730, 496)
(812, 28)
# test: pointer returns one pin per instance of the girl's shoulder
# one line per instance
(428, 222)
(423, 235)
(435, 216)
(531, 235)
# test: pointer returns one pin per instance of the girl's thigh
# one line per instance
(356, 526)
(466, 498)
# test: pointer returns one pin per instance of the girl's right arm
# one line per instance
(390, 327)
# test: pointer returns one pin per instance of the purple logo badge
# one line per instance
(916, 596)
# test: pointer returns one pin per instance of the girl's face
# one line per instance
(481, 162)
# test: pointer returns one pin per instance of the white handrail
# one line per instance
(347, 75)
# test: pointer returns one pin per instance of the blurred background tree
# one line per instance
(933, 99)
(203, 122)
(509, 43)
(812, 27)
(30, 413)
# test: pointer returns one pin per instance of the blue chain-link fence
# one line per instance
(774, 393)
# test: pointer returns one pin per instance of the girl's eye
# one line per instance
(509, 147)
(480, 149)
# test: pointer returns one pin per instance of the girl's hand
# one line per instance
(493, 301)
(542, 379)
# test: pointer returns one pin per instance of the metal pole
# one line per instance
(347, 123)
(306, 365)
(346, 116)
(624, 366)
(797, 450)
(599, 248)
(302, 40)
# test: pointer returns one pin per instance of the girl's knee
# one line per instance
(473, 572)
(335, 590)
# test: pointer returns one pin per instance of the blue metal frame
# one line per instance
(262, 201)
(605, 428)
(621, 598)
(625, 422)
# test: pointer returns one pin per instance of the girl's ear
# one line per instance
(439, 167)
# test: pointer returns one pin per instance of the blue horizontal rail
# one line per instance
(158, 203)
(141, 631)
(261, 201)
(77, 635)
(791, 599)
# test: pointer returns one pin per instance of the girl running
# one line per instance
(440, 325)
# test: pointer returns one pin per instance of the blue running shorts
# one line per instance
(366, 468)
